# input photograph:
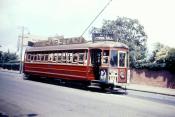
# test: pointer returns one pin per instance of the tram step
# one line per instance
(95, 81)
(95, 84)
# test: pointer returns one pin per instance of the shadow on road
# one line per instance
(21, 115)
(79, 85)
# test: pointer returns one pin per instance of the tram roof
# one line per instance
(100, 44)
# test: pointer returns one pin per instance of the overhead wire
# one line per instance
(96, 17)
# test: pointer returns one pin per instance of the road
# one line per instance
(27, 98)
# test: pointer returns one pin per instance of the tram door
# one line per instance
(96, 62)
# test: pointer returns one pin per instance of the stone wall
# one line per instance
(161, 78)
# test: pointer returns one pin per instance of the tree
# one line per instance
(159, 53)
(7, 56)
(170, 60)
(128, 31)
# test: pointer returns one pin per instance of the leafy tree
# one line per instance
(159, 53)
(7, 56)
(170, 60)
(128, 31)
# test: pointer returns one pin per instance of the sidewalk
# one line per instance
(151, 89)
(11, 71)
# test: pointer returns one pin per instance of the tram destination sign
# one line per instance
(102, 37)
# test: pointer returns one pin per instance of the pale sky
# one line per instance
(71, 17)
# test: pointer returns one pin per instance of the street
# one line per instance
(27, 98)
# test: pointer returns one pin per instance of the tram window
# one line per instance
(63, 57)
(38, 57)
(69, 57)
(105, 56)
(46, 57)
(28, 57)
(32, 57)
(35, 57)
(122, 59)
(106, 53)
(59, 58)
(114, 58)
(50, 57)
(105, 60)
(86, 55)
(127, 59)
(54, 57)
(75, 58)
(85, 58)
(81, 58)
(42, 57)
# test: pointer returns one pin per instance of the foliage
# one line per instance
(170, 60)
(128, 31)
(7, 56)
(159, 54)
(163, 57)
(9, 60)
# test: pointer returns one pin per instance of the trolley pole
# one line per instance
(21, 51)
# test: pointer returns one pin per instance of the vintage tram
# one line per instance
(102, 62)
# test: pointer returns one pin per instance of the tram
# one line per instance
(102, 62)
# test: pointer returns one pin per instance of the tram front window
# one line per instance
(114, 58)
(122, 57)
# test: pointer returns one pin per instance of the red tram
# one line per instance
(105, 62)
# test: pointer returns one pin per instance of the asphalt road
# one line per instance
(26, 98)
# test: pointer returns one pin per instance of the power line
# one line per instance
(96, 17)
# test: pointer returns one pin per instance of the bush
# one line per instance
(170, 60)
(10, 66)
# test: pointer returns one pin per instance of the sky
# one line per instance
(70, 18)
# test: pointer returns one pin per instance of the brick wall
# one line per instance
(161, 78)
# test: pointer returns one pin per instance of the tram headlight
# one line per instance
(122, 75)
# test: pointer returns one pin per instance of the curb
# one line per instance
(151, 92)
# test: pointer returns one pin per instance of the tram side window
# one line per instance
(32, 57)
(54, 57)
(81, 58)
(38, 57)
(28, 57)
(85, 58)
(69, 57)
(35, 57)
(114, 58)
(122, 59)
(50, 57)
(105, 56)
(42, 57)
(75, 58)
(46, 57)
(63, 57)
(59, 58)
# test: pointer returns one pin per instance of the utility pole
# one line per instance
(21, 51)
